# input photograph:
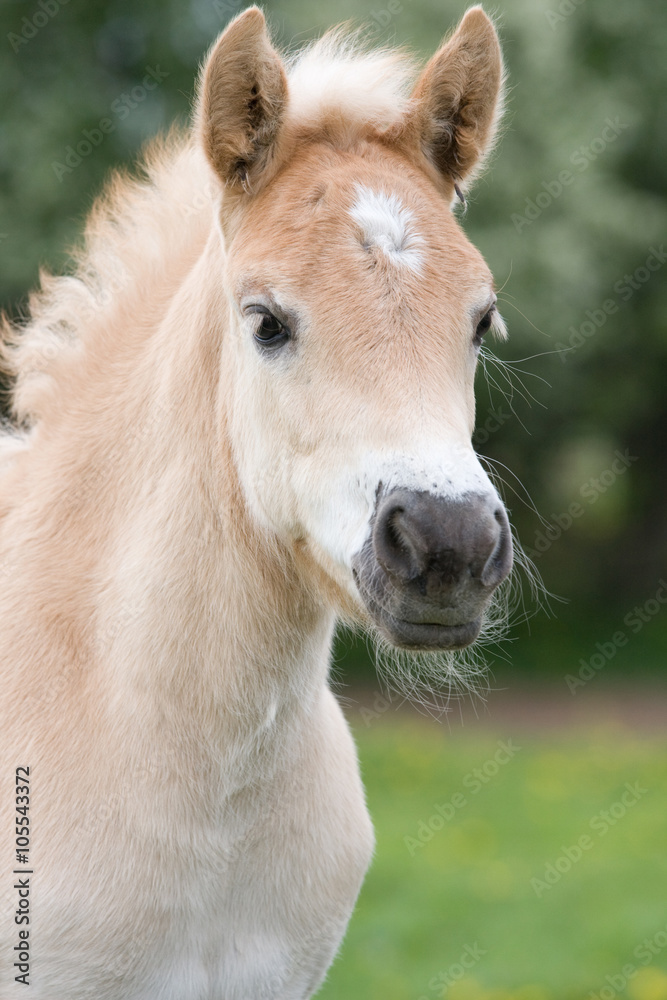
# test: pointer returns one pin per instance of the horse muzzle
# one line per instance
(430, 564)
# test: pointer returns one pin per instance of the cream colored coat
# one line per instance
(177, 517)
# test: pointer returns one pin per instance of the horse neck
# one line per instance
(202, 623)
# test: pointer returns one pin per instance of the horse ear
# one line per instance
(458, 98)
(242, 96)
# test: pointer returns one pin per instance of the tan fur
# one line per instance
(168, 592)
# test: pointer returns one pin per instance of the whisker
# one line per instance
(513, 367)
(508, 370)
(507, 300)
(507, 374)
(530, 503)
(499, 290)
(531, 357)
(509, 399)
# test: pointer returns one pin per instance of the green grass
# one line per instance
(467, 890)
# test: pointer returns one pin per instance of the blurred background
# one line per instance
(495, 898)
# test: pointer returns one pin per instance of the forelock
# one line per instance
(335, 83)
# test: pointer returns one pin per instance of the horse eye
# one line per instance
(483, 326)
(270, 332)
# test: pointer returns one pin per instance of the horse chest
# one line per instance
(227, 937)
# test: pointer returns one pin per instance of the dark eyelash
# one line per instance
(270, 333)
(484, 325)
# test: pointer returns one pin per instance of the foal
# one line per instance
(248, 413)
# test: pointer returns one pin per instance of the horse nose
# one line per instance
(435, 543)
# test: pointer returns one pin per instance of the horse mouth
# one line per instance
(422, 636)
(427, 636)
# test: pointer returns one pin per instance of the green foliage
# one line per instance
(468, 884)
(572, 268)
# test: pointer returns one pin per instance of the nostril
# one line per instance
(499, 562)
(394, 536)
(398, 542)
(437, 545)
